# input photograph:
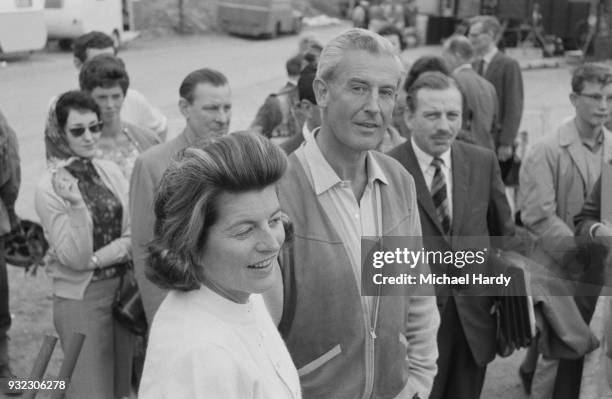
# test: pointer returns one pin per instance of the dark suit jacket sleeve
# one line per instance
(590, 213)
(499, 216)
(10, 170)
(512, 105)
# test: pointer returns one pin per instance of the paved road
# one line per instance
(254, 68)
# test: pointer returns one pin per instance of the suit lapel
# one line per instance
(492, 65)
(460, 175)
(570, 138)
(423, 194)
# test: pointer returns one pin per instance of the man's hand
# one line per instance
(504, 152)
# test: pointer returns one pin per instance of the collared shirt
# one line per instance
(307, 134)
(488, 57)
(429, 171)
(352, 218)
(595, 146)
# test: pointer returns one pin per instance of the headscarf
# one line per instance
(56, 144)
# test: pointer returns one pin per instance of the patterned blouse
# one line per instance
(125, 157)
(104, 207)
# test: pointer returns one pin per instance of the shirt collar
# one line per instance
(307, 134)
(462, 67)
(425, 159)
(489, 55)
(324, 176)
(190, 136)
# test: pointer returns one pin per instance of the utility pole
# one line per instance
(181, 17)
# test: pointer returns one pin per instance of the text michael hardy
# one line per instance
(441, 279)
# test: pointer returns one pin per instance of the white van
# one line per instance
(68, 19)
(22, 26)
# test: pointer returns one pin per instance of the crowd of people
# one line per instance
(246, 247)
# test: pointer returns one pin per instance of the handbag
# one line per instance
(128, 309)
(513, 309)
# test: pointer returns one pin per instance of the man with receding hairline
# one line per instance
(337, 190)
(205, 102)
(460, 194)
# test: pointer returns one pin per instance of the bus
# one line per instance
(22, 26)
(258, 17)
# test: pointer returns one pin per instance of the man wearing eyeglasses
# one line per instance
(555, 180)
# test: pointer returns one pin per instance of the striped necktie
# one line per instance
(439, 195)
(480, 66)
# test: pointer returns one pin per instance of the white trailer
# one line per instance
(22, 26)
(68, 19)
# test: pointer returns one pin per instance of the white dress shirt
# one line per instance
(429, 171)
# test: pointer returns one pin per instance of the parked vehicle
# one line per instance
(258, 17)
(22, 26)
(68, 19)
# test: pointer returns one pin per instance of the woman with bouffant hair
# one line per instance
(218, 233)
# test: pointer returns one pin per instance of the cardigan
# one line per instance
(324, 322)
(69, 230)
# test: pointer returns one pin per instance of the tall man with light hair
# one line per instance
(205, 102)
(480, 108)
(337, 190)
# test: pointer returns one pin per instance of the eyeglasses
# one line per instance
(79, 131)
(595, 97)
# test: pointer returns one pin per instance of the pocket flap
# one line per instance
(320, 361)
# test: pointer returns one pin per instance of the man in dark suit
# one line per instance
(206, 105)
(478, 93)
(505, 75)
(460, 194)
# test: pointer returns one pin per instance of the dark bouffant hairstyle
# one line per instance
(186, 202)
(105, 71)
(73, 100)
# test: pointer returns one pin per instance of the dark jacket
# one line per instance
(10, 176)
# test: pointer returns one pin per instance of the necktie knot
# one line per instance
(437, 163)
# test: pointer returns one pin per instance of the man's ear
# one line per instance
(408, 118)
(321, 91)
(77, 63)
(184, 107)
(573, 97)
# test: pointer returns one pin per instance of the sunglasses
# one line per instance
(79, 131)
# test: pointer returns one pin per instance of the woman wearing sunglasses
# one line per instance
(82, 205)
(105, 79)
